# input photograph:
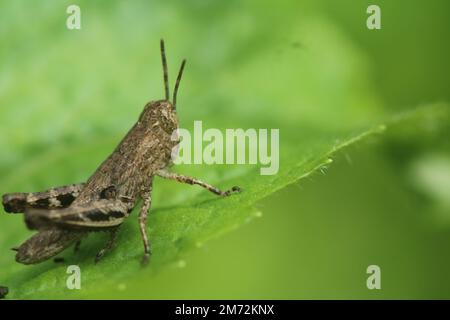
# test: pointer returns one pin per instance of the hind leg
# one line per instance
(55, 198)
(143, 214)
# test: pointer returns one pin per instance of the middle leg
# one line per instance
(76, 248)
(109, 244)
(146, 196)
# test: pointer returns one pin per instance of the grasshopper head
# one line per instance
(162, 113)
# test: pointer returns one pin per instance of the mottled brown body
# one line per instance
(64, 215)
(144, 150)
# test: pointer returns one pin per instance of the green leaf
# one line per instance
(68, 109)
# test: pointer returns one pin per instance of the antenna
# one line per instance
(177, 84)
(166, 74)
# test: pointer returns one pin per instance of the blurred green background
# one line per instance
(310, 68)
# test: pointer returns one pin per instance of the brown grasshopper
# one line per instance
(64, 215)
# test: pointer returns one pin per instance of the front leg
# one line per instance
(163, 173)
(146, 196)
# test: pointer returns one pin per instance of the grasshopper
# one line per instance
(64, 215)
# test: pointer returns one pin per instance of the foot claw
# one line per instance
(59, 260)
(145, 259)
(99, 256)
(235, 189)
